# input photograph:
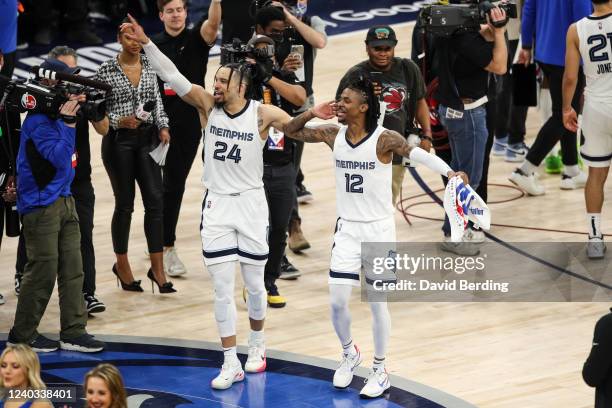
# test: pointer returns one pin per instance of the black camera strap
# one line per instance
(11, 150)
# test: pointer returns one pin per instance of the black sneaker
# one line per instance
(288, 271)
(40, 344)
(93, 305)
(303, 195)
(18, 278)
(85, 343)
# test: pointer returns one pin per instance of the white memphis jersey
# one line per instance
(363, 183)
(595, 39)
(233, 151)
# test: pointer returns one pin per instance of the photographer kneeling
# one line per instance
(465, 61)
(45, 170)
(279, 88)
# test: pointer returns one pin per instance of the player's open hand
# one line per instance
(325, 110)
(570, 119)
(134, 31)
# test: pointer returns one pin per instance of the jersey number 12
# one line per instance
(353, 183)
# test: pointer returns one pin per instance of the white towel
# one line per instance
(159, 153)
(462, 204)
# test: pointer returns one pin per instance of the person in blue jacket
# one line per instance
(545, 22)
(45, 170)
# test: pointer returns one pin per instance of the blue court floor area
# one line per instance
(167, 373)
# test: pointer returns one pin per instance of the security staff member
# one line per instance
(281, 89)
(188, 48)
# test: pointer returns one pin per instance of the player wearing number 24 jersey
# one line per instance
(362, 153)
(234, 219)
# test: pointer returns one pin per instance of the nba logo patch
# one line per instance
(599, 26)
(208, 204)
(276, 140)
(74, 160)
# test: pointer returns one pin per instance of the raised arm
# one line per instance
(296, 129)
(193, 94)
(392, 142)
(210, 27)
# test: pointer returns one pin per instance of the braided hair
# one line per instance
(245, 76)
(365, 87)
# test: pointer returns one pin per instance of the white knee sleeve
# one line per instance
(381, 327)
(225, 308)
(253, 276)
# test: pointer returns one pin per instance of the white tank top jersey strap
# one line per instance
(363, 183)
(233, 151)
(595, 43)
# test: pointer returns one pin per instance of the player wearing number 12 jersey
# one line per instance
(591, 39)
(362, 153)
(234, 211)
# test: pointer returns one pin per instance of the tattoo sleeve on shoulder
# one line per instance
(391, 141)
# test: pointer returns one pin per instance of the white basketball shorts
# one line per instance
(346, 261)
(597, 131)
(235, 227)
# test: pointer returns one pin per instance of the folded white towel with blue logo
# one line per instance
(462, 204)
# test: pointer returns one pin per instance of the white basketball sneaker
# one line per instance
(256, 362)
(344, 373)
(173, 266)
(230, 373)
(376, 384)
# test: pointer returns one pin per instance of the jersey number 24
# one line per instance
(221, 148)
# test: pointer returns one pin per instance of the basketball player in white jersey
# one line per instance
(234, 211)
(362, 157)
(591, 39)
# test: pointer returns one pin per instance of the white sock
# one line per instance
(381, 327)
(379, 363)
(594, 225)
(341, 315)
(349, 348)
(230, 356)
(528, 168)
(572, 171)
(256, 337)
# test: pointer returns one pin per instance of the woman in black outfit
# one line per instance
(125, 153)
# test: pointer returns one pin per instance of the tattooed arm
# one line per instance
(391, 142)
(324, 133)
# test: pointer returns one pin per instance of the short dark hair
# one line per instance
(162, 3)
(62, 50)
(269, 14)
(365, 87)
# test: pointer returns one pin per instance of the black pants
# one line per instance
(482, 189)
(126, 158)
(279, 183)
(510, 119)
(185, 141)
(299, 177)
(553, 129)
(84, 200)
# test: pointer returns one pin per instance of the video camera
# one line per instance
(447, 20)
(237, 52)
(37, 97)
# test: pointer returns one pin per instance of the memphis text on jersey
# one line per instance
(231, 134)
(355, 165)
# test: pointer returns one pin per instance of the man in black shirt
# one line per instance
(464, 63)
(188, 49)
(401, 88)
(285, 91)
(309, 32)
(597, 370)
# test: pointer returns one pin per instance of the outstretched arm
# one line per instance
(392, 142)
(193, 94)
(325, 133)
